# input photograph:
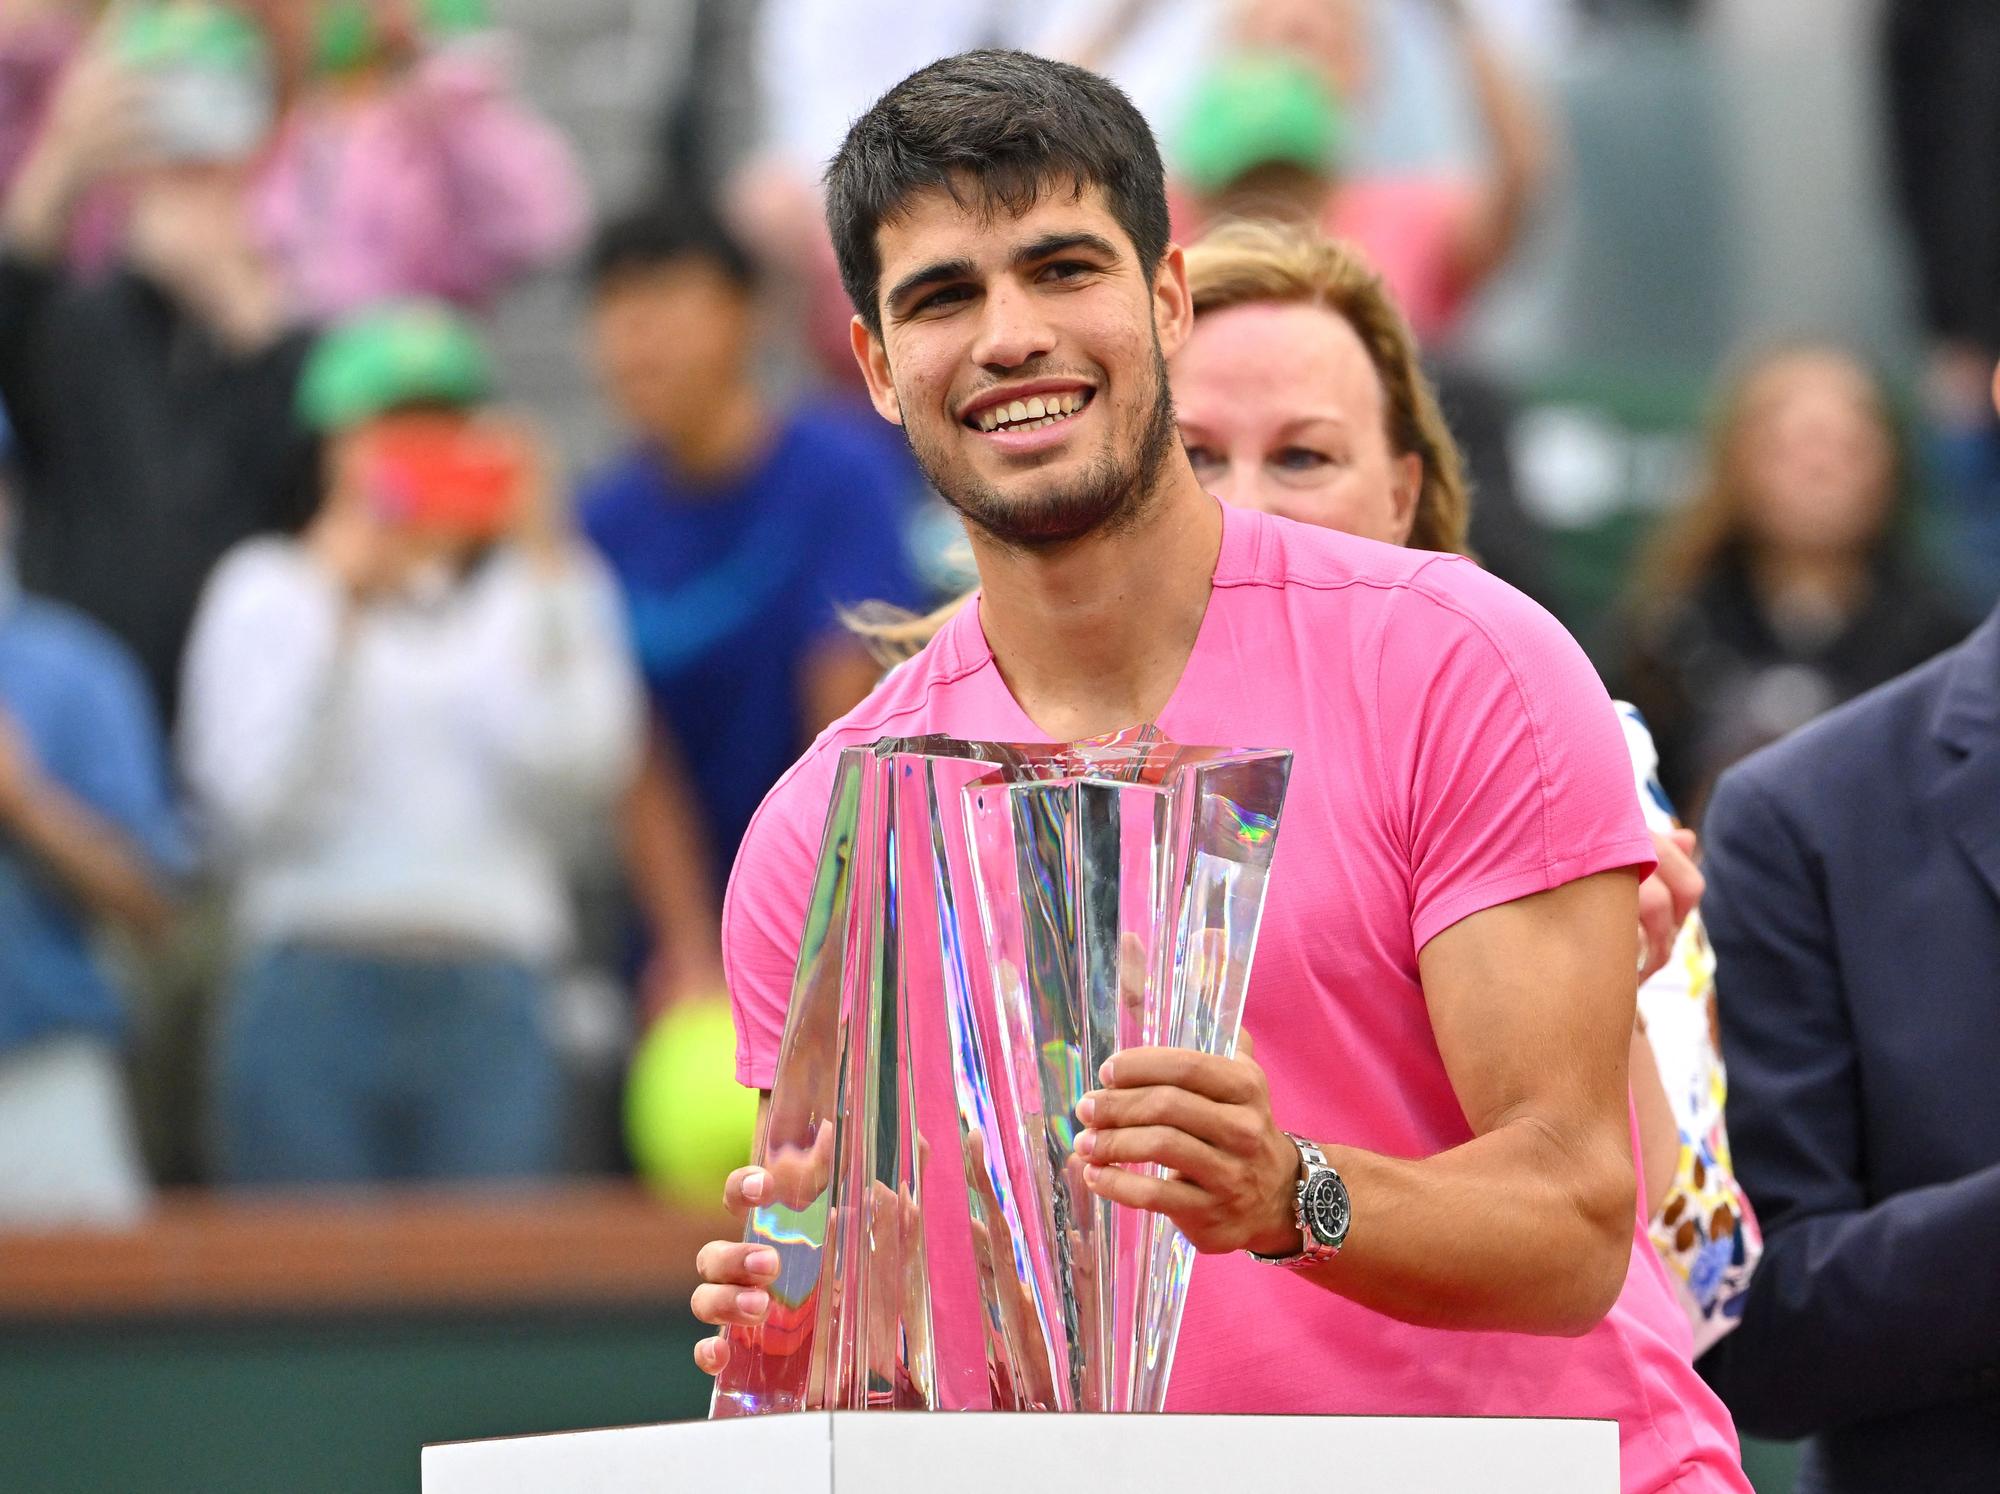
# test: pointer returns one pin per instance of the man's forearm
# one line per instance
(1514, 1231)
(92, 860)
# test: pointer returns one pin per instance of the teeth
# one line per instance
(1031, 414)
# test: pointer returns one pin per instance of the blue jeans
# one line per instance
(340, 1067)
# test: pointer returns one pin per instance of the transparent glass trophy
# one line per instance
(989, 922)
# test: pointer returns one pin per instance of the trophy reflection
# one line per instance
(988, 923)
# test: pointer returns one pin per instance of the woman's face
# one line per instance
(1281, 410)
(1814, 456)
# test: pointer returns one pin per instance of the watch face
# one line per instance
(1325, 1208)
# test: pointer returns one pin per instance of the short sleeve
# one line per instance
(764, 913)
(1504, 758)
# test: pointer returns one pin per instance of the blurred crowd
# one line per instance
(369, 781)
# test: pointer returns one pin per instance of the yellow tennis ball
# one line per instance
(688, 1123)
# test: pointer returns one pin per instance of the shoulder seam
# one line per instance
(1500, 650)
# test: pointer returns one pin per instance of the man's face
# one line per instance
(1024, 359)
(669, 340)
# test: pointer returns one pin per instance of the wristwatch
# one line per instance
(1321, 1209)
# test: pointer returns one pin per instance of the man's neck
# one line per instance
(1092, 638)
(723, 442)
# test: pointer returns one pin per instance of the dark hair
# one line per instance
(661, 235)
(1010, 124)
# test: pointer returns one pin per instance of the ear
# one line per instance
(1406, 486)
(1996, 388)
(1173, 307)
(873, 358)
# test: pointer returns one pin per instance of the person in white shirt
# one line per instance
(388, 726)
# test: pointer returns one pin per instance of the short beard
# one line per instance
(1108, 498)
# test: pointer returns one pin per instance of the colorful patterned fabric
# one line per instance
(1706, 1232)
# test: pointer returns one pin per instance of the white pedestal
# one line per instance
(882, 1452)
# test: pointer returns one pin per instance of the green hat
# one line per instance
(1258, 109)
(416, 353)
(345, 39)
(189, 33)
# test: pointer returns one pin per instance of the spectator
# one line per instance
(153, 406)
(737, 532)
(1786, 585)
(1853, 871)
(389, 723)
(408, 168)
(87, 842)
(1265, 135)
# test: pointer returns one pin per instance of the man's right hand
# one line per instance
(736, 1275)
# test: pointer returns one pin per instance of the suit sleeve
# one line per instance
(1861, 1307)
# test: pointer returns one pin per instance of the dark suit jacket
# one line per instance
(1854, 903)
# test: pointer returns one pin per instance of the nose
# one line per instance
(1012, 329)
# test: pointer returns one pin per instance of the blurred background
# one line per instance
(430, 476)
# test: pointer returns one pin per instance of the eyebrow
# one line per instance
(945, 270)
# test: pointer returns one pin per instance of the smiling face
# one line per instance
(1024, 357)
(1281, 410)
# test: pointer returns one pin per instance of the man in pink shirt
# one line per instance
(1444, 989)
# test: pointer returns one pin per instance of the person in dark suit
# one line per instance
(1854, 904)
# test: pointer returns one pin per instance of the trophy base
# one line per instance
(849, 1452)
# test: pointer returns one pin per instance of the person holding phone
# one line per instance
(152, 402)
(390, 722)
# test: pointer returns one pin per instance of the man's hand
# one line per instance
(1666, 898)
(737, 1274)
(1231, 1171)
(359, 549)
(97, 126)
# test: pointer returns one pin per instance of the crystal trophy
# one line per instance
(988, 923)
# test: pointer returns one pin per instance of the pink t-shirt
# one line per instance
(1453, 750)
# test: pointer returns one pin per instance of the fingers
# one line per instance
(735, 1276)
(1677, 872)
(737, 1263)
(745, 1189)
(1231, 1081)
(1244, 1047)
(1657, 926)
(1231, 1129)
(711, 1355)
(1170, 1196)
(790, 1175)
(1167, 1146)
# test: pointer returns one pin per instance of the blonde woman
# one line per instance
(1300, 393)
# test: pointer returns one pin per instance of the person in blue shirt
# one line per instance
(738, 531)
(88, 839)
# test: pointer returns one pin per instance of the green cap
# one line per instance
(345, 37)
(1258, 109)
(414, 353)
(189, 33)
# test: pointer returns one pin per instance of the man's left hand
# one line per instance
(1230, 1171)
